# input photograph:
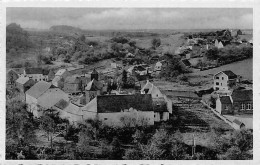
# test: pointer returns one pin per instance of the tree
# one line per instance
(124, 77)
(156, 42)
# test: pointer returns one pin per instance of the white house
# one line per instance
(43, 95)
(224, 80)
(162, 104)
(37, 74)
(120, 110)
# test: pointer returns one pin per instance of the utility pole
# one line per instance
(193, 145)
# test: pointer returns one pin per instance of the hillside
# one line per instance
(66, 29)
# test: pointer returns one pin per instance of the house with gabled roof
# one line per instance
(75, 84)
(239, 102)
(37, 74)
(42, 96)
(160, 100)
(121, 110)
(24, 83)
(224, 80)
(93, 89)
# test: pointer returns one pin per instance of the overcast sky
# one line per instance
(132, 18)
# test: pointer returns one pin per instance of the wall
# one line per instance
(223, 84)
(70, 87)
(90, 110)
(114, 119)
(157, 116)
(32, 105)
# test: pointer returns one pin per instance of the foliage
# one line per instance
(156, 42)
(16, 38)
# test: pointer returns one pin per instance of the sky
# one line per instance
(132, 18)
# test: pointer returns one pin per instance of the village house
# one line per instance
(240, 102)
(37, 74)
(185, 64)
(224, 80)
(24, 83)
(43, 95)
(162, 105)
(120, 110)
(159, 66)
(75, 84)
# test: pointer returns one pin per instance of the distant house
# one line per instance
(62, 73)
(24, 83)
(43, 95)
(51, 75)
(94, 75)
(159, 66)
(37, 74)
(240, 102)
(185, 64)
(224, 105)
(11, 77)
(220, 45)
(162, 105)
(58, 82)
(224, 80)
(119, 110)
(238, 124)
(75, 84)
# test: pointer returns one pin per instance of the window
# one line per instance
(105, 118)
(222, 78)
(217, 77)
(217, 88)
(217, 83)
(226, 108)
(242, 106)
(221, 84)
(248, 106)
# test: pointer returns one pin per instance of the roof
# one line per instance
(229, 73)
(94, 71)
(242, 95)
(148, 85)
(186, 62)
(139, 68)
(117, 103)
(22, 80)
(60, 72)
(56, 79)
(62, 104)
(33, 70)
(72, 80)
(39, 88)
(17, 70)
(225, 100)
(94, 85)
(45, 71)
(238, 122)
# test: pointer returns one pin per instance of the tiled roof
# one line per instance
(33, 70)
(230, 74)
(72, 80)
(117, 103)
(22, 80)
(17, 70)
(186, 62)
(60, 72)
(39, 88)
(242, 95)
(225, 100)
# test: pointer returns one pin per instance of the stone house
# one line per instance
(24, 84)
(43, 95)
(75, 84)
(240, 102)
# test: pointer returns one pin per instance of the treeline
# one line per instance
(229, 54)
(17, 39)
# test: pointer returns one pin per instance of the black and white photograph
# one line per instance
(128, 83)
